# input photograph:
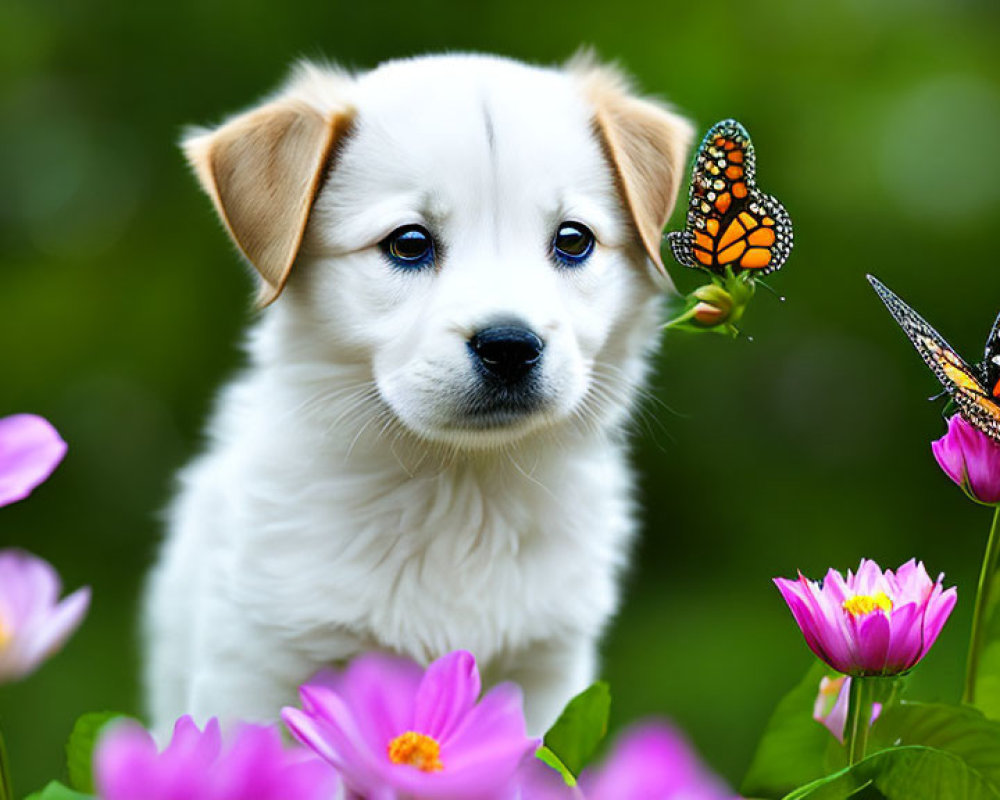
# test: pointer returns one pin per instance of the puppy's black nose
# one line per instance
(507, 352)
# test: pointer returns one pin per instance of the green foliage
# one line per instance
(793, 750)
(80, 748)
(962, 732)
(988, 677)
(932, 752)
(574, 737)
(58, 791)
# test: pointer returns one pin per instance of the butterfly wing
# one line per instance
(730, 222)
(990, 368)
(976, 403)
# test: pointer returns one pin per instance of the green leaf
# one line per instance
(80, 748)
(932, 752)
(546, 756)
(961, 731)
(57, 791)
(903, 773)
(580, 728)
(795, 748)
(988, 676)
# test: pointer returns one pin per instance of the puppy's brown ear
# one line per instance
(647, 145)
(263, 171)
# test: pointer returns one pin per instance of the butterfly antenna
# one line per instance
(762, 282)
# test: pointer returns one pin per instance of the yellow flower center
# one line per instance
(862, 604)
(6, 634)
(417, 750)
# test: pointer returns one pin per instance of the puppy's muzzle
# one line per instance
(506, 353)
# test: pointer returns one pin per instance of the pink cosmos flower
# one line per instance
(394, 730)
(198, 765)
(832, 703)
(971, 459)
(652, 761)
(33, 622)
(30, 449)
(872, 623)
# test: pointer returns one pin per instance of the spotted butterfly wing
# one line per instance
(977, 399)
(730, 222)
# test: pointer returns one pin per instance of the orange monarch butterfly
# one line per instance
(730, 222)
(974, 389)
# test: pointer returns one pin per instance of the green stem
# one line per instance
(682, 318)
(6, 792)
(979, 614)
(859, 716)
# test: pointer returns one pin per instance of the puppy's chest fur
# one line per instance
(491, 554)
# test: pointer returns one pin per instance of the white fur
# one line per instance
(340, 504)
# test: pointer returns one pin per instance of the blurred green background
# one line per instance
(122, 302)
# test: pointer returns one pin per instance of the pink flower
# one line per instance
(971, 459)
(832, 702)
(652, 761)
(197, 766)
(33, 622)
(393, 730)
(870, 623)
(30, 449)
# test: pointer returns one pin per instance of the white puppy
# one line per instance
(459, 256)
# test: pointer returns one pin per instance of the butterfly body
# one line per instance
(975, 389)
(731, 225)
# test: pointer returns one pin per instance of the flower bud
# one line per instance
(708, 315)
(713, 307)
(831, 704)
(971, 459)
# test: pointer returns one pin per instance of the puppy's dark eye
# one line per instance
(572, 244)
(409, 247)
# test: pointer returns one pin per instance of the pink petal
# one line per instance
(30, 449)
(652, 761)
(447, 693)
(491, 729)
(835, 588)
(123, 761)
(939, 608)
(380, 690)
(188, 740)
(314, 733)
(874, 636)
(257, 767)
(62, 622)
(251, 766)
(803, 615)
(328, 726)
(982, 466)
(948, 453)
(869, 578)
(29, 587)
(907, 636)
(835, 640)
(910, 583)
